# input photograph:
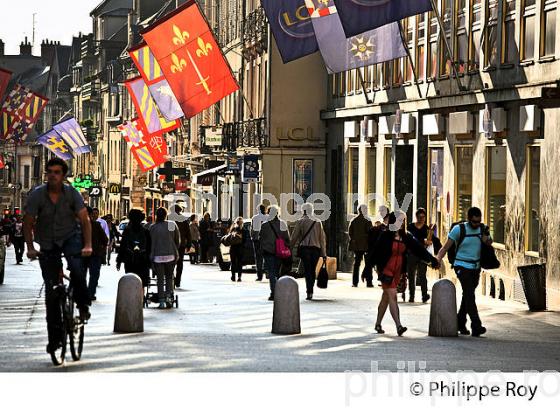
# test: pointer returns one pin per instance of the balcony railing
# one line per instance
(245, 134)
(255, 35)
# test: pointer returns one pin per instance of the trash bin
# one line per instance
(533, 279)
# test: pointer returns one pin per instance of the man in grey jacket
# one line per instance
(271, 230)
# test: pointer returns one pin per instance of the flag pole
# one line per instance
(447, 46)
(368, 101)
(409, 56)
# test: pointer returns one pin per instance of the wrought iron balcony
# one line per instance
(245, 134)
(255, 35)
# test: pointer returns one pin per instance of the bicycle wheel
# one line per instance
(76, 333)
(57, 356)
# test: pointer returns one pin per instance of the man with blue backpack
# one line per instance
(465, 245)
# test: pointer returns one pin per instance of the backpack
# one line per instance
(488, 259)
(452, 251)
(137, 244)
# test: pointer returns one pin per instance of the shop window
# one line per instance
(509, 46)
(496, 192)
(463, 188)
(533, 199)
(491, 40)
(387, 176)
(435, 188)
(371, 179)
(476, 35)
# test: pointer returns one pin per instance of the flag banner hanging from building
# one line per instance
(2, 163)
(191, 60)
(359, 16)
(149, 150)
(71, 132)
(341, 53)
(5, 76)
(291, 26)
(157, 84)
(18, 116)
(55, 144)
(146, 107)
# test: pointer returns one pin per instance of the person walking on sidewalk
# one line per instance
(256, 224)
(239, 236)
(164, 253)
(206, 237)
(56, 218)
(358, 233)
(114, 235)
(195, 239)
(272, 229)
(183, 225)
(310, 240)
(390, 260)
(416, 269)
(373, 235)
(16, 237)
(467, 238)
(134, 250)
(92, 263)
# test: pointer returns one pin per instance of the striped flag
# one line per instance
(17, 100)
(147, 109)
(72, 134)
(157, 84)
(5, 76)
(149, 150)
(55, 144)
(17, 119)
(131, 132)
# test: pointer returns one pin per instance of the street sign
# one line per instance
(551, 93)
(213, 137)
(95, 192)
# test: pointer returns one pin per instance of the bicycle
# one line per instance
(72, 324)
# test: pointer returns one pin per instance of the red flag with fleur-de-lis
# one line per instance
(191, 60)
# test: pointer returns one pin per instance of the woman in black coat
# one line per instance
(236, 248)
(389, 256)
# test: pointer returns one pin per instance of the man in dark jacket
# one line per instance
(358, 233)
(185, 232)
(92, 263)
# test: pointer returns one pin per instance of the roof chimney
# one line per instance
(25, 48)
(47, 51)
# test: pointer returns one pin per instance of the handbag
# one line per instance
(323, 277)
(488, 259)
(282, 251)
(302, 239)
(236, 239)
(384, 279)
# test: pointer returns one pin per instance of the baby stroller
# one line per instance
(151, 294)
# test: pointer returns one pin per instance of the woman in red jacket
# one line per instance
(390, 259)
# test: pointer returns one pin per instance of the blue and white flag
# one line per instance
(341, 53)
(55, 144)
(359, 16)
(72, 134)
(291, 25)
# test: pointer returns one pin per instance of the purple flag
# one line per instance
(165, 100)
(54, 143)
(341, 53)
(359, 16)
(72, 134)
(291, 26)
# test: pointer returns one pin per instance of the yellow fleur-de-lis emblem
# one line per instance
(181, 37)
(178, 64)
(203, 48)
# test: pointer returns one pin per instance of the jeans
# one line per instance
(19, 246)
(51, 267)
(310, 256)
(272, 267)
(416, 270)
(469, 279)
(179, 270)
(93, 264)
(164, 273)
(194, 256)
(258, 258)
(358, 256)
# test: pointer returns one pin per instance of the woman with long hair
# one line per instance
(390, 260)
(164, 253)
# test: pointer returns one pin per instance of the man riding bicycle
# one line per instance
(56, 218)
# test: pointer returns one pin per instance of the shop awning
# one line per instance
(209, 172)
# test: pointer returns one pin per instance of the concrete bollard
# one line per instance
(129, 313)
(285, 319)
(443, 312)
